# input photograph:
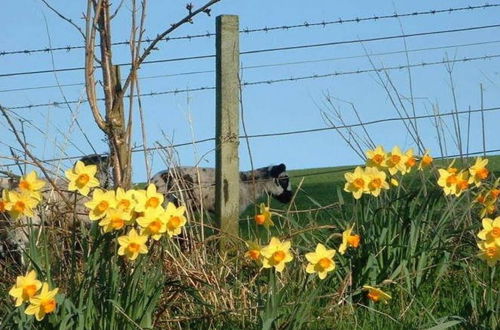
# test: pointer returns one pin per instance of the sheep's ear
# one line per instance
(277, 170)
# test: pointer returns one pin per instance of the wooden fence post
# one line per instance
(227, 178)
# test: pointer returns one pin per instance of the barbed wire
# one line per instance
(167, 75)
(273, 81)
(267, 50)
(293, 132)
(267, 29)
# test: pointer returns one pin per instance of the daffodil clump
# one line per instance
(455, 181)
(141, 212)
(321, 261)
(488, 199)
(39, 297)
(489, 244)
(22, 201)
(381, 169)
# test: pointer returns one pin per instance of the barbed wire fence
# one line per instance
(14, 161)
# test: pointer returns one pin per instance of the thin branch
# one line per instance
(33, 158)
(187, 19)
(69, 20)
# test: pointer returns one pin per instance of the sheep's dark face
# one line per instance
(283, 187)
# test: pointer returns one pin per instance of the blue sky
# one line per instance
(268, 108)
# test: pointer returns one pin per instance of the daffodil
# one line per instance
(410, 162)
(276, 254)
(478, 171)
(25, 288)
(43, 303)
(125, 199)
(491, 230)
(30, 184)
(132, 244)
(376, 295)
(154, 222)
(101, 202)
(4, 202)
(20, 204)
(376, 181)
(253, 252)
(320, 261)
(115, 219)
(148, 199)
(176, 219)
(349, 240)
(395, 161)
(376, 157)
(490, 252)
(82, 178)
(425, 161)
(264, 216)
(357, 182)
(452, 181)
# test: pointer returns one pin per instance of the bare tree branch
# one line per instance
(69, 20)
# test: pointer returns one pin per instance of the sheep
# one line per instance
(196, 186)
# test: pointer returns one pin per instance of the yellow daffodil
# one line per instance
(276, 254)
(154, 222)
(410, 162)
(115, 219)
(30, 184)
(148, 199)
(462, 183)
(376, 181)
(20, 204)
(491, 230)
(452, 181)
(425, 161)
(4, 202)
(490, 252)
(264, 217)
(82, 178)
(478, 171)
(132, 245)
(176, 219)
(125, 199)
(253, 252)
(320, 261)
(43, 303)
(349, 240)
(357, 182)
(25, 288)
(395, 161)
(101, 202)
(376, 295)
(376, 157)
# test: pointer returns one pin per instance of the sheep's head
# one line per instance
(282, 188)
